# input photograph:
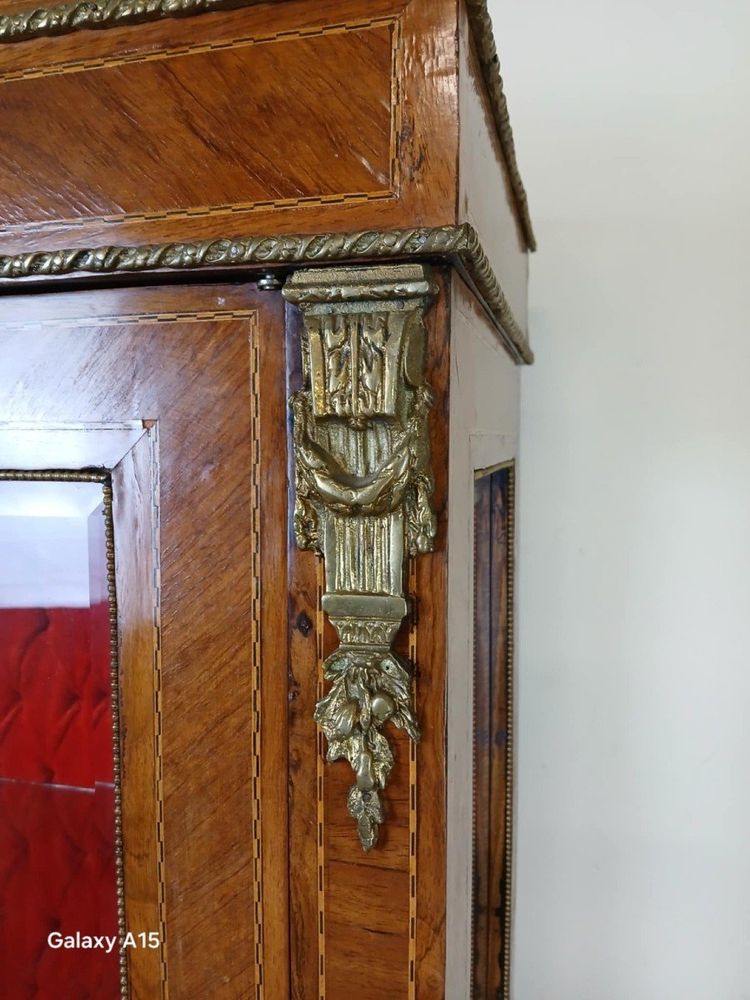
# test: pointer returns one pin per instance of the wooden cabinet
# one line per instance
(309, 594)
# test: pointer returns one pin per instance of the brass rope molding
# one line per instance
(63, 18)
(100, 14)
(455, 243)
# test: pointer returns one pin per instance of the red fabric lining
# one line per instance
(55, 715)
(57, 873)
(57, 864)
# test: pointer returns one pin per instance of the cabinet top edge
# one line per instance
(456, 245)
(489, 61)
(81, 15)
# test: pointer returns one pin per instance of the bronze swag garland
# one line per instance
(362, 499)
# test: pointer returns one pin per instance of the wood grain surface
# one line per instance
(275, 118)
(152, 127)
(135, 515)
(371, 925)
(158, 358)
(431, 609)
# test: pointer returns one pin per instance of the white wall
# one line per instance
(632, 121)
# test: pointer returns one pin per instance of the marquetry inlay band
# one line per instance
(388, 190)
(413, 813)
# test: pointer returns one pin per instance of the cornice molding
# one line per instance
(458, 244)
(63, 18)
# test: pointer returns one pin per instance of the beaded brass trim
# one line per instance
(457, 243)
(510, 758)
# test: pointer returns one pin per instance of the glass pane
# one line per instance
(493, 725)
(58, 871)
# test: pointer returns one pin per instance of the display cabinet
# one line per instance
(262, 311)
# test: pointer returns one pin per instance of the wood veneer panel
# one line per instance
(278, 118)
(367, 897)
(155, 137)
(372, 925)
(272, 678)
(431, 588)
(134, 484)
(181, 357)
(306, 878)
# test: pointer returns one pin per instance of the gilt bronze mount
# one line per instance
(362, 498)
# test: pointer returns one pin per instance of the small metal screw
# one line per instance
(269, 282)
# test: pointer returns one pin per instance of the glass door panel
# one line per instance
(493, 732)
(60, 916)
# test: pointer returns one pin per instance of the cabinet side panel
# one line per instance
(485, 195)
(484, 411)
